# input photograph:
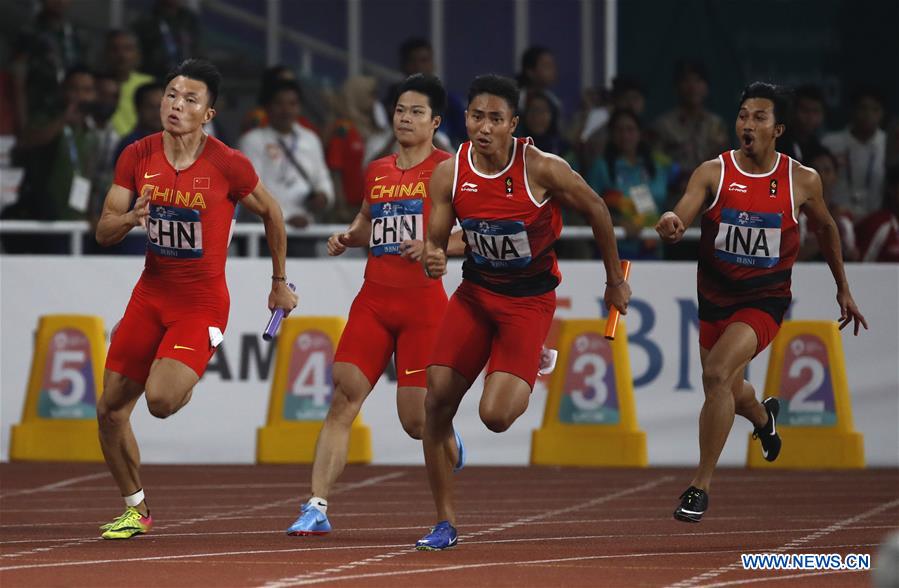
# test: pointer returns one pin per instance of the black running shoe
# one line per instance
(693, 504)
(768, 434)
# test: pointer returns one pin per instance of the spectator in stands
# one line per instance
(589, 130)
(538, 73)
(824, 162)
(167, 36)
(108, 93)
(122, 60)
(634, 183)
(291, 162)
(360, 134)
(417, 56)
(147, 100)
(59, 155)
(41, 56)
(861, 151)
(689, 134)
(800, 140)
(878, 234)
(540, 121)
(271, 78)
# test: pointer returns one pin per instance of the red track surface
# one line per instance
(224, 526)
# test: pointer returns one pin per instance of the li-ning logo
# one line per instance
(735, 187)
(469, 187)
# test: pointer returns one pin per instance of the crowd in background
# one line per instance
(71, 118)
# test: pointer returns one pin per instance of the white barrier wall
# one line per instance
(219, 425)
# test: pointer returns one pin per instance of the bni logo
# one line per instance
(735, 187)
(469, 187)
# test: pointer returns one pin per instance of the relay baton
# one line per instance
(614, 314)
(271, 329)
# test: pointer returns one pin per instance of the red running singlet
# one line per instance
(399, 206)
(509, 235)
(749, 242)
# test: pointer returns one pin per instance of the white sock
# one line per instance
(134, 499)
(319, 503)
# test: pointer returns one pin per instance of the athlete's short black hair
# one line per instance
(430, 86)
(279, 86)
(202, 71)
(501, 86)
(778, 95)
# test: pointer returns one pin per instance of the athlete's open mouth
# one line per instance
(748, 140)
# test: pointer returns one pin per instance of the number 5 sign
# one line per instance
(807, 371)
(301, 392)
(60, 417)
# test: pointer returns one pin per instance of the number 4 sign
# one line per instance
(807, 371)
(301, 394)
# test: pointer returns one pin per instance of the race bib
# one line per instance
(749, 238)
(395, 222)
(498, 244)
(175, 232)
(642, 199)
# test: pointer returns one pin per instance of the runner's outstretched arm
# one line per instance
(809, 182)
(262, 203)
(570, 190)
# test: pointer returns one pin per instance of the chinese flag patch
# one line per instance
(201, 183)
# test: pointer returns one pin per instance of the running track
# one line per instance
(224, 526)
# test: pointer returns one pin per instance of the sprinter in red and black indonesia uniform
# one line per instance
(398, 310)
(748, 245)
(187, 185)
(506, 193)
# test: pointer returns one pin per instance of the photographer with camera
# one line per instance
(59, 154)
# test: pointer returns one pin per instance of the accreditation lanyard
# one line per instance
(73, 148)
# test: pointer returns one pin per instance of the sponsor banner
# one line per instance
(229, 404)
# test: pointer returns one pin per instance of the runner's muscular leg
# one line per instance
(117, 440)
(446, 388)
(169, 386)
(351, 388)
(747, 405)
(724, 363)
(505, 398)
(410, 405)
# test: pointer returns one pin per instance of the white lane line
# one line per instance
(158, 536)
(321, 580)
(299, 579)
(213, 516)
(76, 563)
(774, 578)
(55, 485)
(796, 543)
